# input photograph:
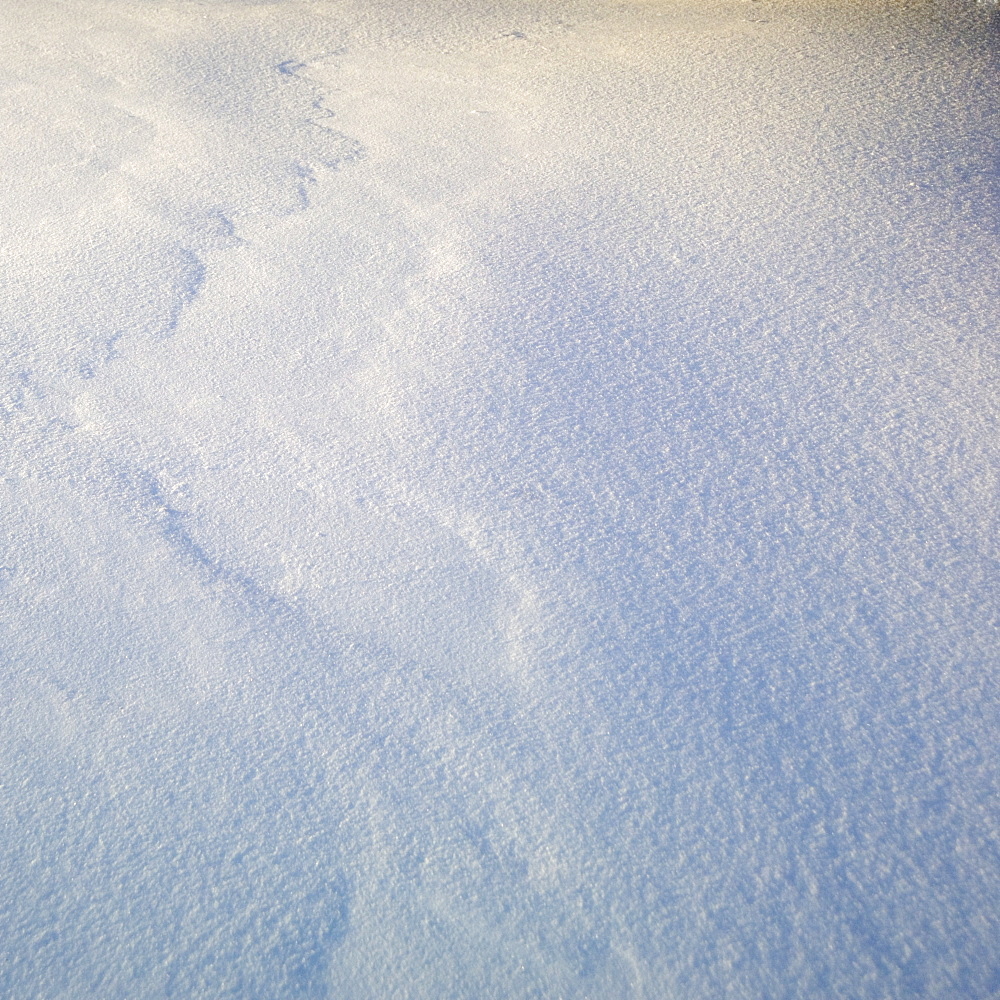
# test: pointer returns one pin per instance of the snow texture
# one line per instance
(499, 499)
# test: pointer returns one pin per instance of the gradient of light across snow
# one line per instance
(499, 500)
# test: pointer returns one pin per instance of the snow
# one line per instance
(499, 499)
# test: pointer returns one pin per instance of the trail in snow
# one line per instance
(499, 500)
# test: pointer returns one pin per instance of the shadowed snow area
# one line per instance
(499, 500)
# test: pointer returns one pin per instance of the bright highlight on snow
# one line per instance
(499, 499)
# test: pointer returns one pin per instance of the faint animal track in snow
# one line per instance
(274, 614)
(188, 283)
(21, 386)
(306, 176)
(344, 149)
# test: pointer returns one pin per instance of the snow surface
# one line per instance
(499, 499)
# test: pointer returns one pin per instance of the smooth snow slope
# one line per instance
(499, 499)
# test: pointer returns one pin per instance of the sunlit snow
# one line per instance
(500, 499)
